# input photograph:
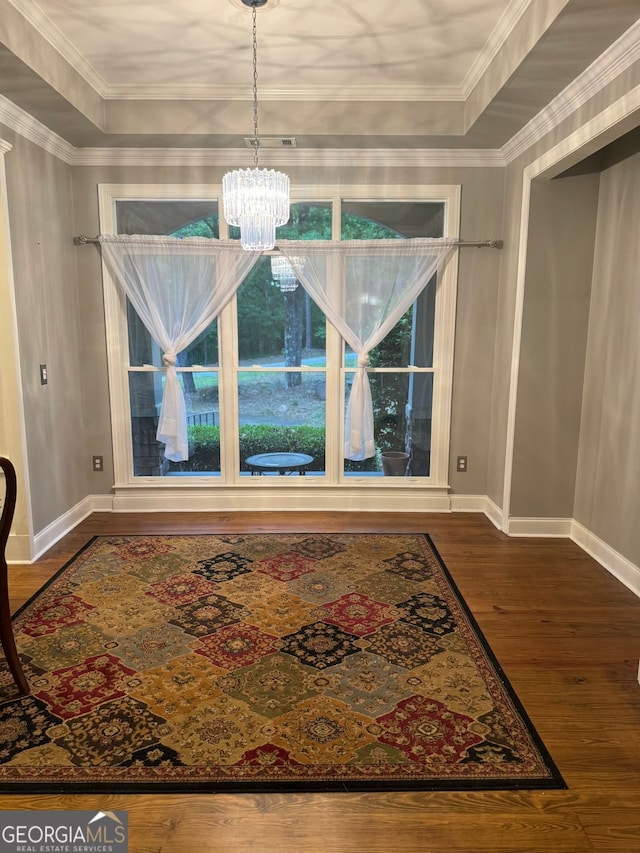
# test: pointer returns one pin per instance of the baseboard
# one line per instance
(18, 549)
(477, 503)
(546, 527)
(621, 568)
(467, 503)
(494, 513)
(308, 498)
(49, 535)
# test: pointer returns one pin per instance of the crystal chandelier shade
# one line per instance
(283, 273)
(256, 200)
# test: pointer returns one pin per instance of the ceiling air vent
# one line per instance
(271, 141)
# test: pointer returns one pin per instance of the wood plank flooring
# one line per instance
(568, 637)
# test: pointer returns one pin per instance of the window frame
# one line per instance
(228, 367)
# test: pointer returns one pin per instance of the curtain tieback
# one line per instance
(363, 360)
(169, 358)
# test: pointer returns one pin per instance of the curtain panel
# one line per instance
(364, 287)
(177, 287)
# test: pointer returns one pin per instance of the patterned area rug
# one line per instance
(275, 662)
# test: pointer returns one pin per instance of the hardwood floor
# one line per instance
(568, 637)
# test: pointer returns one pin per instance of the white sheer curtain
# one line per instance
(364, 288)
(177, 287)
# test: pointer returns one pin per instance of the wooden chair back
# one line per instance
(6, 625)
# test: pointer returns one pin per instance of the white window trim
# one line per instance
(333, 491)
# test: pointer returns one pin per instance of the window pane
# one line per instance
(423, 320)
(145, 394)
(393, 351)
(370, 220)
(276, 328)
(203, 352)
(418, 423)
(278, 416)
(402, 421)
(142, 348)
(307, 221)
(203, 422)
(390, 394)
(180, 218)
(410, 342)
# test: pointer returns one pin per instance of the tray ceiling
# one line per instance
(412, 74)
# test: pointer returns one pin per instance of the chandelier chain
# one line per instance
(255, 87)
(256, 200)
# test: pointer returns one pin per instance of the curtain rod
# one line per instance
(478, 244)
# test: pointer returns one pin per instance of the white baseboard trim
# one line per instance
(621, 568)
(101, 503)
(18, 549)
(467, 503)
(478, 503)
(47, 537)
(546, 527)
(494, 513)
(265, 499)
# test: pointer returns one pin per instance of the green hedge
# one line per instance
(204, 446)
(264, 438)
(204, 450)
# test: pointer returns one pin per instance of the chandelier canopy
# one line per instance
(256, 200)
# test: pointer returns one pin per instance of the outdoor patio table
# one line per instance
(283, 463)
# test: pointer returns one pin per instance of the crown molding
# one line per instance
(620, 56)
(239, 158)
(501, 32)
(205, 92)
(30, 128)
(45, 28)
(5, 146)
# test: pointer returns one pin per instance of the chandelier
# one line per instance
(256, 199)
(283, 273)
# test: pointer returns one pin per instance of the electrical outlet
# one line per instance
(98, 463)
(461, 464)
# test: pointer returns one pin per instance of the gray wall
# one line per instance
(607, 497)
(572, 126)
(49, 326)
(478, 277)
(562, 225)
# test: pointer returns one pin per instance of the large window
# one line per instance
(271, 374)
